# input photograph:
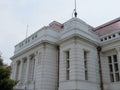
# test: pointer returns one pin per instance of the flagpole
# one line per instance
(75, 13)
(27, 31)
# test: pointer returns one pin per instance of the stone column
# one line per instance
(27, 71)
(15, 70)
(21, 67)
(118, 52)
(35, 68)
(12, 67)
(35, 64)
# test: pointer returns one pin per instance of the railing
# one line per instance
(43, 34)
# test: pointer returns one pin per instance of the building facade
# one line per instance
(69, 56)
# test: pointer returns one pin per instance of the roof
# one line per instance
(108, 27)
(56, 25)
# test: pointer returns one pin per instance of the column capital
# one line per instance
(21, 60)
(117, 49)
(24, 57)
(18, 61)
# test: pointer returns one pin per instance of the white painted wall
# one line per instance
(77, 71)
(76, 36)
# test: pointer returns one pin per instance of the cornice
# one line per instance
(33, 46)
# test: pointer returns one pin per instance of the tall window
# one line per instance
(85, 65)
(113, 68)
(67, 54)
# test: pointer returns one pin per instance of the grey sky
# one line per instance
(16, 14)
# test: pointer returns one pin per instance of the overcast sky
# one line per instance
(16, 14)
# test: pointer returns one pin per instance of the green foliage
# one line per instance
(1, 62)
(5, 82)
(4, 73)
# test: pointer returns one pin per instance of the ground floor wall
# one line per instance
(79, 85)
(47, 68)
(40, 75)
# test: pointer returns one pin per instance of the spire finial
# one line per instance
(75, 11)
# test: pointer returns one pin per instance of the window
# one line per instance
(113, 68)
(20, 45)
(36, 36)
(117, 77)
(109, 37)
(32, 37)
(67, 55)
(115, 58)
(85, 65)
(105, 38)
(101, 39)
(119, 33)
(113, 35)
(28, 40)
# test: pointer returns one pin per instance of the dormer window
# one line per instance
(22, 44)
(19, 45)
(101, 39)
(109, 37)
(119, 33)
(36, 36)
(28, 40)
(113, 35)
(25, 41)
(105, 38)
(33, 38)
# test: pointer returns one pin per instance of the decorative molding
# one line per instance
(117, 49)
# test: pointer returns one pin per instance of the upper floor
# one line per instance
(56, 32)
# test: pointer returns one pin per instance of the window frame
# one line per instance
(67, 59)
(114, 65)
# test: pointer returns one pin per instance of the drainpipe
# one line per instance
(34, 85)
(58, 66)
(100, 67)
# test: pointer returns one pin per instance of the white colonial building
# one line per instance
(69, 56)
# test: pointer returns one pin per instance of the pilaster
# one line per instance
(27, 71)
(118, 52)
(118, 56)
(36, 62)
(12, 67)
(35, 68)
(15, 70)
(21, 66)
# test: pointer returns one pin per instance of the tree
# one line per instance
(5, 82)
